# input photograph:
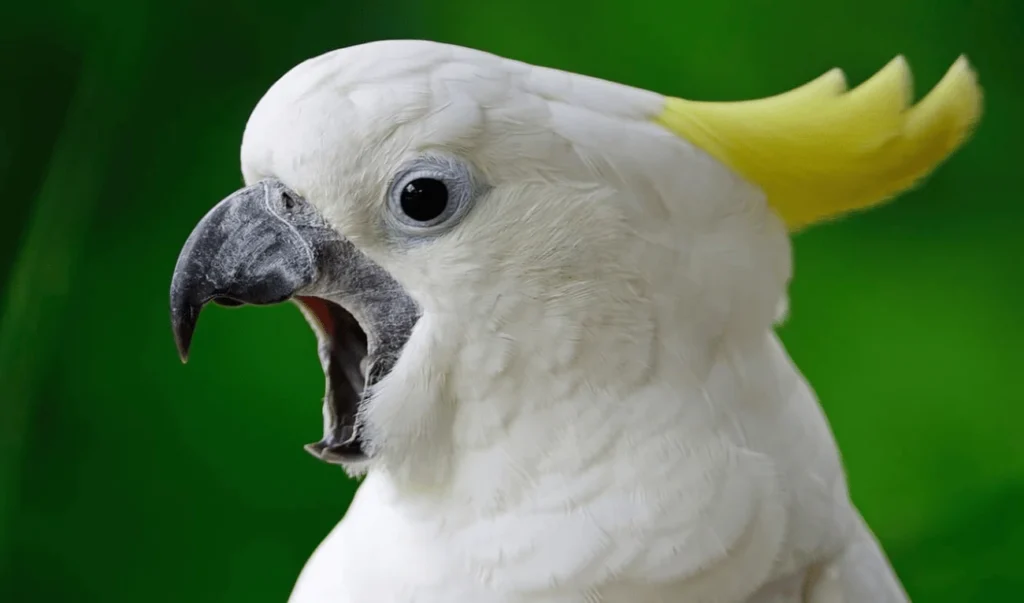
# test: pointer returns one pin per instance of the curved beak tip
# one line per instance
(183, 323)
(183, 347)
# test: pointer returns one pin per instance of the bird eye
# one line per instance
(430, 194)
(424, 199)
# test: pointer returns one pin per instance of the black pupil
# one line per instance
(424, 199)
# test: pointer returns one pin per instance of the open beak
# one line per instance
(264, 245)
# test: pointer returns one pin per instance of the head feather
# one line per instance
(820, 151)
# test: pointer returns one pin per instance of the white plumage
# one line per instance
(594, 406)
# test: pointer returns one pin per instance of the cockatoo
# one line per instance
(545, 306)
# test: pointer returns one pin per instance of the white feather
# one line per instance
(594, 406)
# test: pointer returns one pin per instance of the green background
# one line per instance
(125, 476)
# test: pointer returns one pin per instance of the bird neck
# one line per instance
(557, 431)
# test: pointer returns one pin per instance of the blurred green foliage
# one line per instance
(125, 476)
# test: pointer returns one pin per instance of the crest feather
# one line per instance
(820, 151)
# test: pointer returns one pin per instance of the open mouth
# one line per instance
(264, 245)
(343, 349)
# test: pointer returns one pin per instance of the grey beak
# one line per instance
(265, 244)
(252, 248)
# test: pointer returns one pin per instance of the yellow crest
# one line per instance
(820, 151)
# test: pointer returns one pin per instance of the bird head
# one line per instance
(459, 228)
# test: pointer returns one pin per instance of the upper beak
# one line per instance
(255, 247)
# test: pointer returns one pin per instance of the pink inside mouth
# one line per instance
(320, 310)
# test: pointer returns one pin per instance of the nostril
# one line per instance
(289, 201)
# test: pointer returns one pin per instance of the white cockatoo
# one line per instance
(545, 306)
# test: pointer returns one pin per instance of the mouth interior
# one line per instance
(342, 347)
